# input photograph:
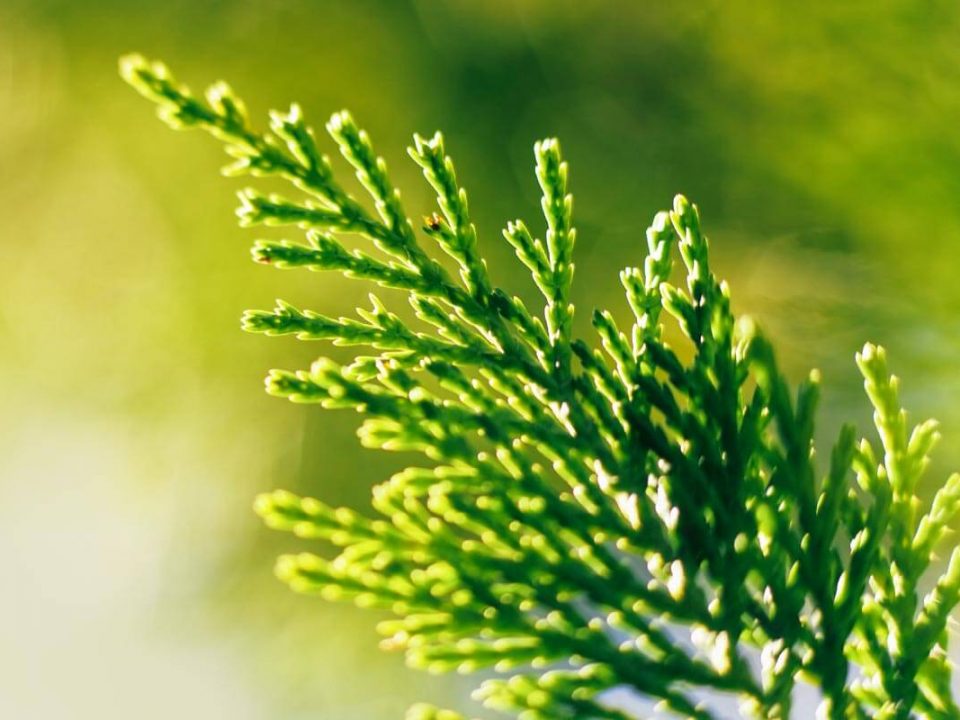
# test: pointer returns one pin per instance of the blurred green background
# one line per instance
(818, 139)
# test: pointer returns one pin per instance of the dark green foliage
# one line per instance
(630, 516)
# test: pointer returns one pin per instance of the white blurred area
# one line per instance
(82, 632)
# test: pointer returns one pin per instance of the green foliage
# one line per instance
(634, 516)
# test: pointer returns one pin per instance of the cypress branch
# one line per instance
(590, 518)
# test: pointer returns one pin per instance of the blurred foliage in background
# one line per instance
(818, 139)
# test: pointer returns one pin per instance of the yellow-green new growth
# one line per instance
(599, 515)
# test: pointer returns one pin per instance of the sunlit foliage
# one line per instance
(589, 518)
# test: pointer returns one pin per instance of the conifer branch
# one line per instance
(590, 518)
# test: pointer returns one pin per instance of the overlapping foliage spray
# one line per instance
(589, 518)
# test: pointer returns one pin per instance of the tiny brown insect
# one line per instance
(433, 222)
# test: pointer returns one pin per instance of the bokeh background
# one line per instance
(819, 140)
